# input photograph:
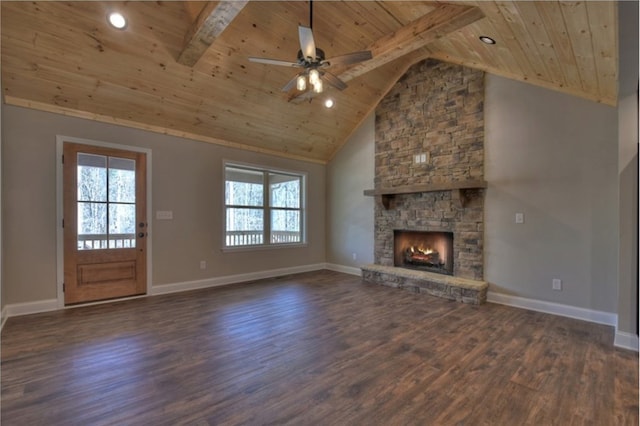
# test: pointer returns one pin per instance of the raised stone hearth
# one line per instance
(444, 286)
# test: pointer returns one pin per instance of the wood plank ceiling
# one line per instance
(181, 68)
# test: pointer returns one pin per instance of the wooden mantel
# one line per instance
(458, 189)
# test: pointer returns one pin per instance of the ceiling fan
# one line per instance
(314, 66)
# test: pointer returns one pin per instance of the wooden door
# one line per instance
(105, 228)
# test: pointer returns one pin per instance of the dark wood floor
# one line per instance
(316, 348)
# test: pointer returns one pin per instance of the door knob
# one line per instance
(141, 234)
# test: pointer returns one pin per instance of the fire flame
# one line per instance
(421, 250)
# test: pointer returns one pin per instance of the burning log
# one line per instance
(422, 257)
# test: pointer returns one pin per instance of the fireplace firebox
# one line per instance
(424, 250)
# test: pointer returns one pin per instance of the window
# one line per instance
(106, 202)
(263, 207)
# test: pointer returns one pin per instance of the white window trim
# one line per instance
(266, 246)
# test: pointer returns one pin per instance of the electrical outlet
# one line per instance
(556, 284)
(203, 264)
(519, 217)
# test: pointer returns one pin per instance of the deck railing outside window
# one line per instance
(249, 238)
(104, 241)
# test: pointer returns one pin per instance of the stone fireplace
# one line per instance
(429, 178)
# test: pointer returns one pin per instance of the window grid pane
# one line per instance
(244, 187)
(284, 191)
(244, 226)
(285, 226)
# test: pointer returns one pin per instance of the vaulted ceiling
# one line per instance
(181, 68)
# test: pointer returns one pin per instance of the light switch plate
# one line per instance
(519, 217)
(164, 215)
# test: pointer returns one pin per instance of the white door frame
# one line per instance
(60, 139)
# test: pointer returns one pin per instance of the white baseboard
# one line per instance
(3, 317)
(17, 309)
(626, 341)
(590, 315)
(351, 270)
(232, 279)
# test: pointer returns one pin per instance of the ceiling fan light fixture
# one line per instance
(117, 20)
(317, 86)
(301, 83)
(314, 76)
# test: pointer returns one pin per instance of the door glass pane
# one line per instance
(122, 225)
(285, 226)
(284, 190)
(244, 226)
(92, 226)
(92, 177)
(122, 180)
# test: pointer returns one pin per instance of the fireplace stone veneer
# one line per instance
(435, 111)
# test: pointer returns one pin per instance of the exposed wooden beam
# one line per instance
(441, 21)
(210, 23)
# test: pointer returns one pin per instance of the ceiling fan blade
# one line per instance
(350, 58)
(301, 97)
(307, 44)
(291, 84)
(274, 62)
(334, 81)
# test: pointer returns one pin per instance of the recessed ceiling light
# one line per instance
(328, 103)
(117, 20)
(487, 39)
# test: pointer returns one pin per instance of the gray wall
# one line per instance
(2, 298)
(550, 156)
(349, 212)
(187, 179)
(628, 167)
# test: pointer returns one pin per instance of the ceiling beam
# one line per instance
(210, 23)
(441, 21)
